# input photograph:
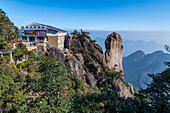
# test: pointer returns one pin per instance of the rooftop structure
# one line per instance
(40, 34)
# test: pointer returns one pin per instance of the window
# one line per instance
(30, 26)
(34, 26)
(26, 26)
(38, 26)
(43, 27)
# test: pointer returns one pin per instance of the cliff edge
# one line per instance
(87, 61)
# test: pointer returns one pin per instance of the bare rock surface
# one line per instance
(85, 46)
(123, 90)
(77, 68)
(87, 60)
(114, 51)
(57, 54)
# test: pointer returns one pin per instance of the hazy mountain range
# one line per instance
(147, 47)
(137, 65)
(147, 41)
(132, 46)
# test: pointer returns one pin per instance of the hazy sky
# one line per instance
(112, 15)
(160, 37)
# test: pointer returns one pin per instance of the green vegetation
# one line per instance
(8, 31)
(51, 87)
(4, 60)
(47, 86)
(81, 34)
(11, 95)
(21, 51)
(154, 99)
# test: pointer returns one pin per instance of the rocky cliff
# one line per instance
(87, 61)
(114, 51)
(85, 57)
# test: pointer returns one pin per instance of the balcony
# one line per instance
(40, 41)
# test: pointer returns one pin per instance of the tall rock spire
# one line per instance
(114, 51)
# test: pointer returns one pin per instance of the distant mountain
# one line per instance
(135, 40)
(148, 47)
(138, 65)
(131, 46)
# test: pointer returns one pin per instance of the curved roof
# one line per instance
(48, 26)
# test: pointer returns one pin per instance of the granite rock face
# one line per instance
(57, 54)
(68, 59)
(89, 54)
(77, 68)
(86, 59)
(123, 90)
(114, 51)
(85, 47)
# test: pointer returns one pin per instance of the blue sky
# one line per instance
(147, 20)
(129, 15)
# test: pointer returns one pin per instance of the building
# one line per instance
(36, 34)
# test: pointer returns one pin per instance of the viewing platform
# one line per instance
(36, 34)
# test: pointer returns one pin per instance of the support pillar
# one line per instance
(11, 56)
(36, 39)
(28, 38)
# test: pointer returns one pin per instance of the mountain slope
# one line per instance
(137, 65)
(86, 60)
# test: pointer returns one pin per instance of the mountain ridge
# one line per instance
(143, 65)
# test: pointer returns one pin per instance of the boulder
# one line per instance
(57, 54)
(123, 90)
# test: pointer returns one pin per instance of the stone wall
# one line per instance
(61, 42)
(53, 41)
(56, 42)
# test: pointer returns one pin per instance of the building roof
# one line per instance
(48, 26)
